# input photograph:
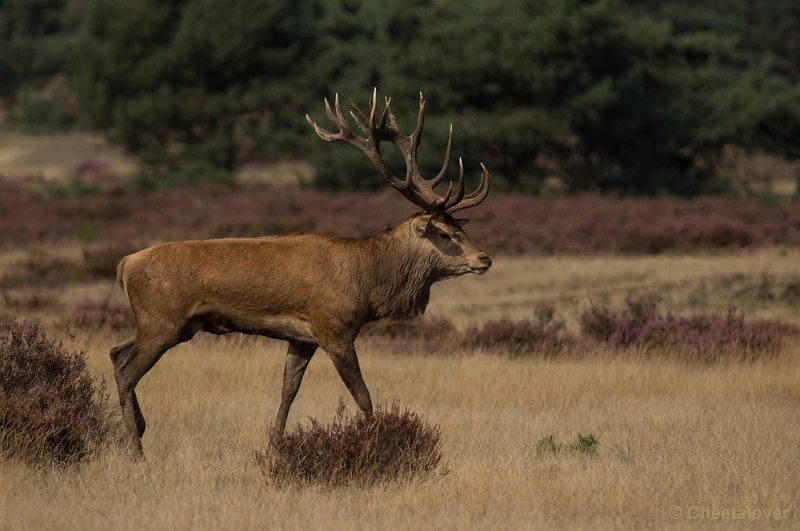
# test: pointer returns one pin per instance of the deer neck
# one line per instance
(401, 275)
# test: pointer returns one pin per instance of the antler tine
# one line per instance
(387, 102)
(328, 111)
(416, 138)
(446, 197)
(433, 202)
(338, 120)
(373, 104)
(446, 165)
(359, 117)
(322, 133)
(426, 185)
(317, 129)
(341, 120)
(476, 197)
(460, 190)
(367, 124)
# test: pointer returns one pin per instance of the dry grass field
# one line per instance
(677, 440)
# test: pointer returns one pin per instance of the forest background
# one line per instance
(554, 96)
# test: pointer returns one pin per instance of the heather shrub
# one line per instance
(791, 293)
(709, 337)
(507, 224)
(94, 315)
(712, 231)
(515, 338)
(30, 299)
(355, 450)
(51, 411)
(425, 334)
(101, 259)
(38, 269)
(439, 335)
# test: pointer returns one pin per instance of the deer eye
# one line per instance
(444, 236)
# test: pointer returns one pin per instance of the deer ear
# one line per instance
(420, 225)
(461, 222)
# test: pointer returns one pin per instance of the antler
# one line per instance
(414, 186)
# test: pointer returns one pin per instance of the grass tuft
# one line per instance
(583, 444)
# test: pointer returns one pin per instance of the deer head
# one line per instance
(436, 225)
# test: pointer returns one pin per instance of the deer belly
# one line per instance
(287, 327)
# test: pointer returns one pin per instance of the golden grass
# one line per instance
(670, 433)
(56, 157)
(763, 284)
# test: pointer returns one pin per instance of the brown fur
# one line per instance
(307, 289)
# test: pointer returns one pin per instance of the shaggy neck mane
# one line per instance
(399, 275)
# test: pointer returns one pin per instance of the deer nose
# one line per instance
(485, 259)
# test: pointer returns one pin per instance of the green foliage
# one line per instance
(75, 187)
(37, 37)
(547, 445)
(192, 81)
(583, 444)
(762, 29)
(592, 92)
(186, 170)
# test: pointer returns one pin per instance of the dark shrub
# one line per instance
(102, 258)
(92, 315)
(30, 299)
(620, 328)
(515, 338)
(50, 409)
(712, 232)
(439, 335)
(426, 334)
(391, 445)
(704, 337)
(38, 269)
(507, 224)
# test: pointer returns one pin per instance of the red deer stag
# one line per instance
(310, 290)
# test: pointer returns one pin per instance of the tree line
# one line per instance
(634, 97)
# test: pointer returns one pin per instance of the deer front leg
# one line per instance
(296, 362)
(346, 362)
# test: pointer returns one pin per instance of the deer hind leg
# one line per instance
(132, 360)
(118, 355)
(346, 362)
(296, 362)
